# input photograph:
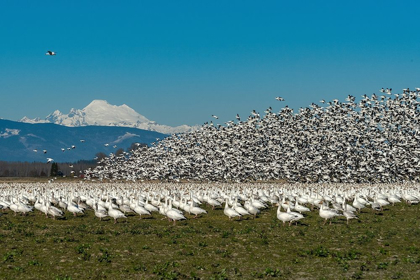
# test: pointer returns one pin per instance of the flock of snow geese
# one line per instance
(72, 147)
(340, 158)
(375, 140)
(174, 201)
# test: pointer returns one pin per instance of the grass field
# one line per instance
(378, 246)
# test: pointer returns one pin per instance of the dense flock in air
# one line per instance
(374, 140)
(176, 202)
(338, 159)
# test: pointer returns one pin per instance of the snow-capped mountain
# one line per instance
(27, 142)
(101, 113)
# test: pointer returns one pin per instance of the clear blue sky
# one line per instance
(179, 62)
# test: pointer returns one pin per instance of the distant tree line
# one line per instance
(42, 169)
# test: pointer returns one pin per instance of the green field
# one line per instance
(378, 246)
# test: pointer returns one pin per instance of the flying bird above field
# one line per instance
(35, 150)
(81, 140)
(114, 146)
(50, 53)
(73, 146)
(216, 117)
(237, 117)
(62, 149)
(106, 145)
(45, 151)
(280, 98)
(49, 160)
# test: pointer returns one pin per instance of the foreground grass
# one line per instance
(380, 245)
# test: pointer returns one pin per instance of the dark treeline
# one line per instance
(42, 169)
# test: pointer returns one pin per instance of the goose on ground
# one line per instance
(100, 213)
(73, 208)
(231, 213)
(298, 216)
(116, 214)
(141, 210)
(174, 215)
(327, 213)
(196, 210)
(349, 215)
(54, 212)
(284, 216)
(301, 208)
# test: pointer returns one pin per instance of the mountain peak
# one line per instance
(101, 113)
(98, 102)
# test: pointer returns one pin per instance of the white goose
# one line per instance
(174, 215)
(116, 214)
(72, 207)
(231, 213)
(301, 208)
(284, 216)
(298, 216)
(23, 208)
(141, 210)
(196, 210)
(251, 209)
(240, 209)
(100, 213)
(53, 211)
(327, 213)
(348, 214)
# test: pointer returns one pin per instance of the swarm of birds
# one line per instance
(373, 140)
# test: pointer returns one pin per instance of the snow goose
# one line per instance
(53, 211)
(284, 216)
(231, 213)
(73, 208)
(116, 214)
(240, 209)
(349, 215)
(382, 202)
(100, 212)
(298, 216)
(213, 202)
(174, 215)
(327, 213)
(393, 199)
(196, 210)
(301, 208)
(251, 208)
(23, 208)
(149, 207)
(141, 210)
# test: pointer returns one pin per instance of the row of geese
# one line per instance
(375, 140)
(173, 200)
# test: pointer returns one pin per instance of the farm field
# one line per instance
(380, 245)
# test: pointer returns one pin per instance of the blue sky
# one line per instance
(179, 62)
